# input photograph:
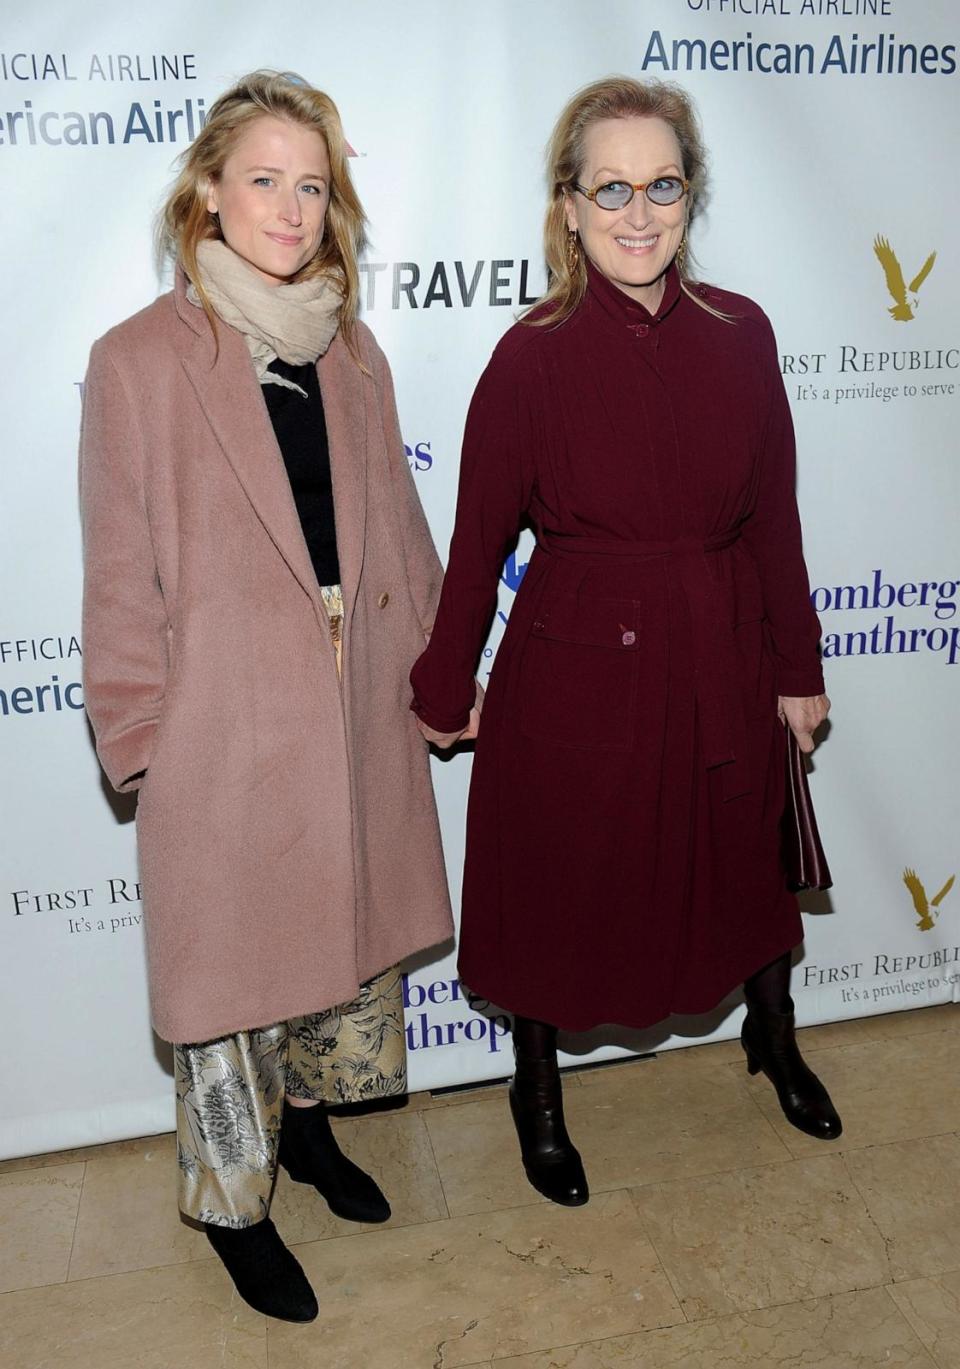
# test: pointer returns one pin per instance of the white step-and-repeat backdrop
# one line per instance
(834, 133)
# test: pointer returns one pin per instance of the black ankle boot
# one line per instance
(310, 1155)
(550, 1159)
(263, 1270)
(770, 1042)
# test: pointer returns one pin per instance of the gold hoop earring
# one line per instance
(682, 254)
(573, 251)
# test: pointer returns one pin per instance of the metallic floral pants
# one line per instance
(230, 1094)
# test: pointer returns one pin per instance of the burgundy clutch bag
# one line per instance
(803, 858)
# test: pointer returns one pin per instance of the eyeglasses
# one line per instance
(618, 194)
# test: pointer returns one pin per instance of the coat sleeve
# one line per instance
(773, 538)
(124, 618)
(496, 482)
(424, 571)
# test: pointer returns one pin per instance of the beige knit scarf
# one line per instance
(295, 322)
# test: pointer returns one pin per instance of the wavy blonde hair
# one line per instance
(185, 220)
(615, 97)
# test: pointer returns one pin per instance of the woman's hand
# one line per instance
(803, 717)
(442, 739)
(447, 739)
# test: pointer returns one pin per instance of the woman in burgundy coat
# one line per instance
(623, 856)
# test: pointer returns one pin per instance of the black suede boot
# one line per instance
(770, 1042)
(550, 1159)
(310, 1155)
(263, 1270)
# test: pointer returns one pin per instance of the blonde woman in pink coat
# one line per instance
(259, 580)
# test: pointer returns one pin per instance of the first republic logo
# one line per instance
(903, 309)
(927, 910)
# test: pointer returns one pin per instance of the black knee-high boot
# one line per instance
(310, 1155)
(550, 1159)
(769, 1039)
(264, 1272)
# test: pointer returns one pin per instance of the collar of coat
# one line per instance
(623, 308)
(226, 386)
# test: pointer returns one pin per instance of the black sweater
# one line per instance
(302, 437)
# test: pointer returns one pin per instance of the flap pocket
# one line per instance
(587, 621)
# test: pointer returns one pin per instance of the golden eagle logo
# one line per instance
(903, 308)
(926, 911)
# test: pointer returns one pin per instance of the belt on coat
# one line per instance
(719, 707)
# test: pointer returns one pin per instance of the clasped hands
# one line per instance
(447, 739)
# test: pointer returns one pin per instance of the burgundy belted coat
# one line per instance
(623, 855)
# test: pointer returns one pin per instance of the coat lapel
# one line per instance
(230, 397)
(342, 385)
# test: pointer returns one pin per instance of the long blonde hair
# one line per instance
(615, 97)
(185, 220)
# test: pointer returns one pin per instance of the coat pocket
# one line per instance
(578, 674)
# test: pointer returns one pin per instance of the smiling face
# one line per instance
(272, 196)
(632, 247)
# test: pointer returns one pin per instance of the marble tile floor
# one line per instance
(716, 1235)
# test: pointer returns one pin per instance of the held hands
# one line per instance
(803, 717)
(447, 739)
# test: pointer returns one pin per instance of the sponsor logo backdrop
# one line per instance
(830, 122)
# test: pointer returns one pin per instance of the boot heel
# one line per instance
(298, 1175)
(550, 1160)
(308, 1151)
(770, 1042)
(264, 1272)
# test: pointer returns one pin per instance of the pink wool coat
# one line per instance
(288, 840)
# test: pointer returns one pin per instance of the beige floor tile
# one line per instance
(659, 1122)
(129, 1217)
(759, 1237)
(854, 1031)
(38, 1214)
(888, 1090)
(632, 1124)
(478, 1157)
(470, 1289)
(396, 1150)
(70, 1157)
(885, 1027)
(183, 1317)
(932, 1307)
(852, 1331)
(940, 1017)
(912, 1192)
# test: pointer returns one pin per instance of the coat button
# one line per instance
(538, 627)
(628, 638)
(384, 599)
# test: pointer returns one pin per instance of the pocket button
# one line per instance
(628, 638)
